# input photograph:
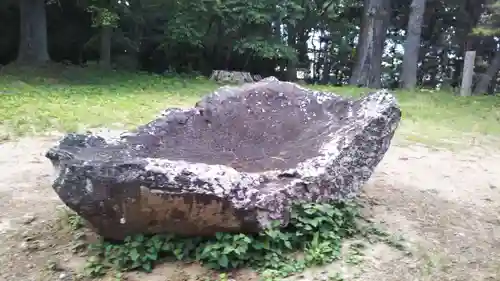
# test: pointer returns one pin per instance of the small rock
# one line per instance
(432, 190)
(42, 245)
(27, 236)
(63, 276)
(24, 246)
(494, 221)
(54, 265)
(323, 276)
(29, 218)
(32, 246)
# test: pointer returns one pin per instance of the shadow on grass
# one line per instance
(54, 73)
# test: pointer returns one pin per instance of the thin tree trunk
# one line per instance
(493, 85)
(368, 68)
(327, 69)
(327, 64)
(412, 44)
(485, 81)
(227, 58)
(105, 52)
(468, 73)
(291, 67)
(33, 47)
(138, 32)
(468, 17)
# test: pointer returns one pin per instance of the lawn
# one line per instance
(72, 99)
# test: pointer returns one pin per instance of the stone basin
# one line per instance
(234, 162)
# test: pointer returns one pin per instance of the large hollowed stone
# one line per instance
(233, 163)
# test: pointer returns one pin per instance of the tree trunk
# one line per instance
(485, 81)
(468, 73)
(493, 85)
(468, 17)
(327, 64)
(33, 48)
(327, 69)
(291, 66)
(105, 52)
(412, 44)
(368, 69)
(138, 31)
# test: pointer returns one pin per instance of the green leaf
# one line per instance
(167, 247)
(223, 261)
(148, 267)
(206, 251)
(228, 249)
(136, 244)
(152, 256)
(134, 254)
(219, 235)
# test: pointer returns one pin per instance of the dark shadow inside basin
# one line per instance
(261, 129)
(258, 128)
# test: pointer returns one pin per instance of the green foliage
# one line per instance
(103, 16)
(222, 277)
(75, 222)
(70, 220)
(315, 230)
(255, 35)
(210, 23)
(490, 22)
(261, 47)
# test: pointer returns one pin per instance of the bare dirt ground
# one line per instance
(446, 205)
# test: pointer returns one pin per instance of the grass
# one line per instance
(75, 100)
(71, 99)
(438, 118)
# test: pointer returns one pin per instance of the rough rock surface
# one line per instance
(235, 162)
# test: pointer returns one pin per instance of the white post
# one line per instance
(468, 73)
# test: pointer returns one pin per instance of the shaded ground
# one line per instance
(445, 204)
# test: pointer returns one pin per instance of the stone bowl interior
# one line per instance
(254, 129)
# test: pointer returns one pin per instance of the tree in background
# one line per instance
(105, 19)
(33, 44)
(489, 26)
(341, 42)
(371, 43)
(412, 44)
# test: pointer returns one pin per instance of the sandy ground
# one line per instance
(446, 205)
